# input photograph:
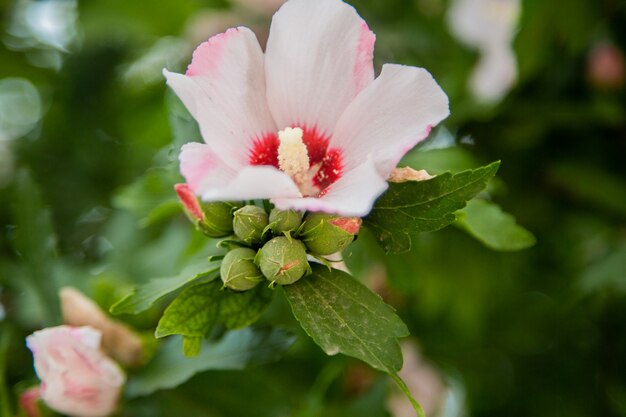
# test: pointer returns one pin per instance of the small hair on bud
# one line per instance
(249, 224)
(238, 271)
(283, 260)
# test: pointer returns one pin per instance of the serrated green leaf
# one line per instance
(236, 350)
(191, 346)
(241, 309)
(344, 316)
(145, 295)
(493, 227)
(199, 308)
(193, 313)
(423, 206)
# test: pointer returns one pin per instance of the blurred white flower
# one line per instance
(490, 27)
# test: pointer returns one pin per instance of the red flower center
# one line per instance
(326, 164)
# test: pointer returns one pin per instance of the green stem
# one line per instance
(402, 385)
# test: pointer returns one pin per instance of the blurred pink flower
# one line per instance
(77, 379)
(305, 124)
(606, 66)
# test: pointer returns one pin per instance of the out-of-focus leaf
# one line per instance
(145, 295)
(438, 161)
(35, 241)
(344, 316)
(152, 196)
(423, 206)
(5, 408)
(592, 185)
(608, 273)
(493, 227)
(184, 127)
(236, 350)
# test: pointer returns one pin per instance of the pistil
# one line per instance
(293, 157)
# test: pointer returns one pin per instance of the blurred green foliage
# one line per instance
(534, 333)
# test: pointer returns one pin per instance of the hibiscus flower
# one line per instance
(305, 124)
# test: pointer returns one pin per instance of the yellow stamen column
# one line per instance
(293, 157)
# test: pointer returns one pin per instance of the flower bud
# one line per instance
(249, 224)
(218, 219)
(190, 202)
(238, 271)
(282, 221)
(118, 340)
(283, 260)
(29, 402)
(325, 234)
(212, 219)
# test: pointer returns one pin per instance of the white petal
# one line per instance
(202, 168)
(253, 182)
(390, 117)
(224, 90)
(318, 58)
(353, 194)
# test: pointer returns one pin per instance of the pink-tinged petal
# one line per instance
(253, 182)
(211, 179)
(224, 90)
(202, 168)
(318, 58)
(353, 194)
(390, 117)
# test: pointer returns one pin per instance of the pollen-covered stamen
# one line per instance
(293, 157)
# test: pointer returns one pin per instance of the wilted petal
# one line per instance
(352, 195)
(390, 117)
(318, 58)
(224, 90)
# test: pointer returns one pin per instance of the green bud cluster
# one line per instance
(270, 246)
